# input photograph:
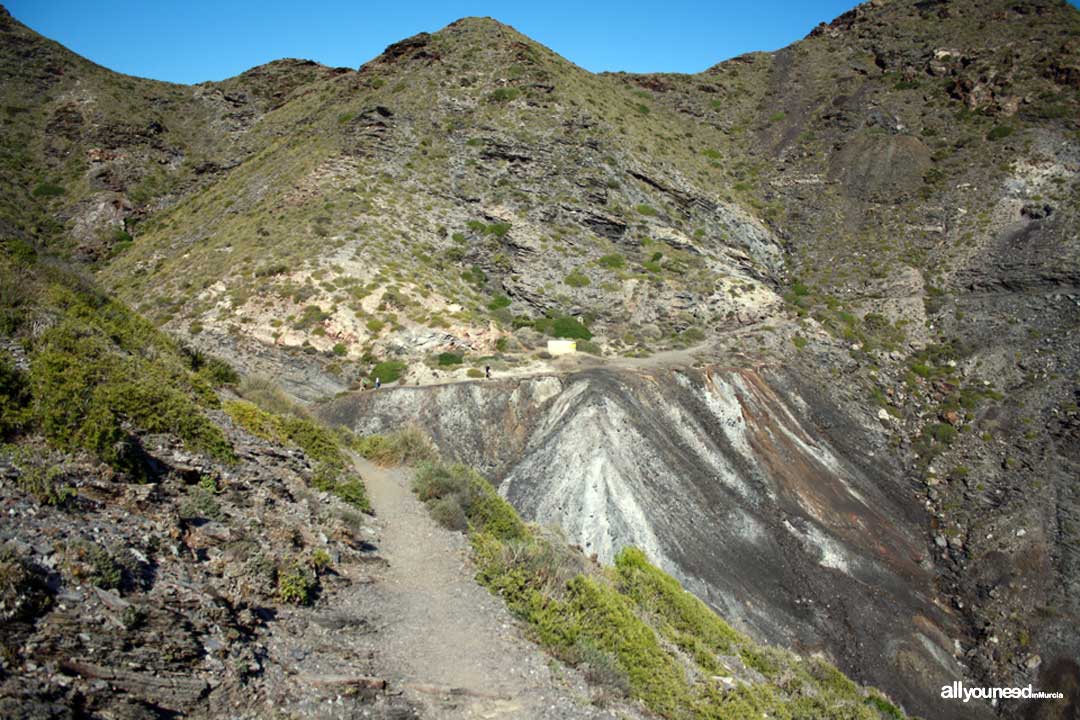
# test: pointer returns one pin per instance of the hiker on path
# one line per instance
(378, 383)
(487, 371)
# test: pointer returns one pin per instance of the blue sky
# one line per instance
(199, 40)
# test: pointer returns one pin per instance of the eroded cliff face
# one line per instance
(746, 484)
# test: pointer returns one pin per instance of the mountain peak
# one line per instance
(478, 22)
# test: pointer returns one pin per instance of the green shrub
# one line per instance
(942, 432)
(321, 560)
(447, 512)
(568, 327)
(340, 349)
(409, 446)
(646, 210)
(447, 359)
(692, 335)
(14, 397)
(475, 275)
(503, 94)
(388, 371)
(627, 626)
(91, 563)
(200, 504)
(310, 316)
(121, 240)
(99, 374)
(332, 466)
(498, 302)
(588, 346)
(576, 279)
(325, 477)
(268, 395)
(47, 189)
(45, 484)
(884, 707)
(485, 510)
(377, 448)
(298, 585)
(316, 440)
(999, 132)
(271, 270)
(922, 370)
(474, 373)
(85, 394)
(255, 420)
(614, 261)
(659, 594)
(498, 229)
(353, 492)
(217, 373)
(800, 289)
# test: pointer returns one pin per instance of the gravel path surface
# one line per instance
(452, 646)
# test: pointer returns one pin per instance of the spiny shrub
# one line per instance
(482, 506)
(85, 393)
(503, 94)
(100, 375)
(498, 302)
(658, 593)
(448, 358)
(14, 398)
(45, 484)
(613, 261)
(409, 445)
(577, 279)
(388, 371)
(332, 471)
(568, 327)
(298, 586)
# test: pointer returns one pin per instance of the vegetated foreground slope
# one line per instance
(889, 206)
(155, 557)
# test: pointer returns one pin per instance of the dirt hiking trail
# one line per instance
(450, 645)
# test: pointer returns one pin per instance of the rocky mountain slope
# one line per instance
(756, 494)
(867, 239)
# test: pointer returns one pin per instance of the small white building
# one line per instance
(561, 347)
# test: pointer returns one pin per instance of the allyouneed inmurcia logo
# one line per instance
(957, 691)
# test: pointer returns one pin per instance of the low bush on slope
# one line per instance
(332, 472)
(632, 626)
(409, 445)
(176, 580)
(98, 375)
(95, 377)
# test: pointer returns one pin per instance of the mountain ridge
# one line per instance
(886, 208)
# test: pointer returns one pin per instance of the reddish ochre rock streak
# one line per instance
(805, 486)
